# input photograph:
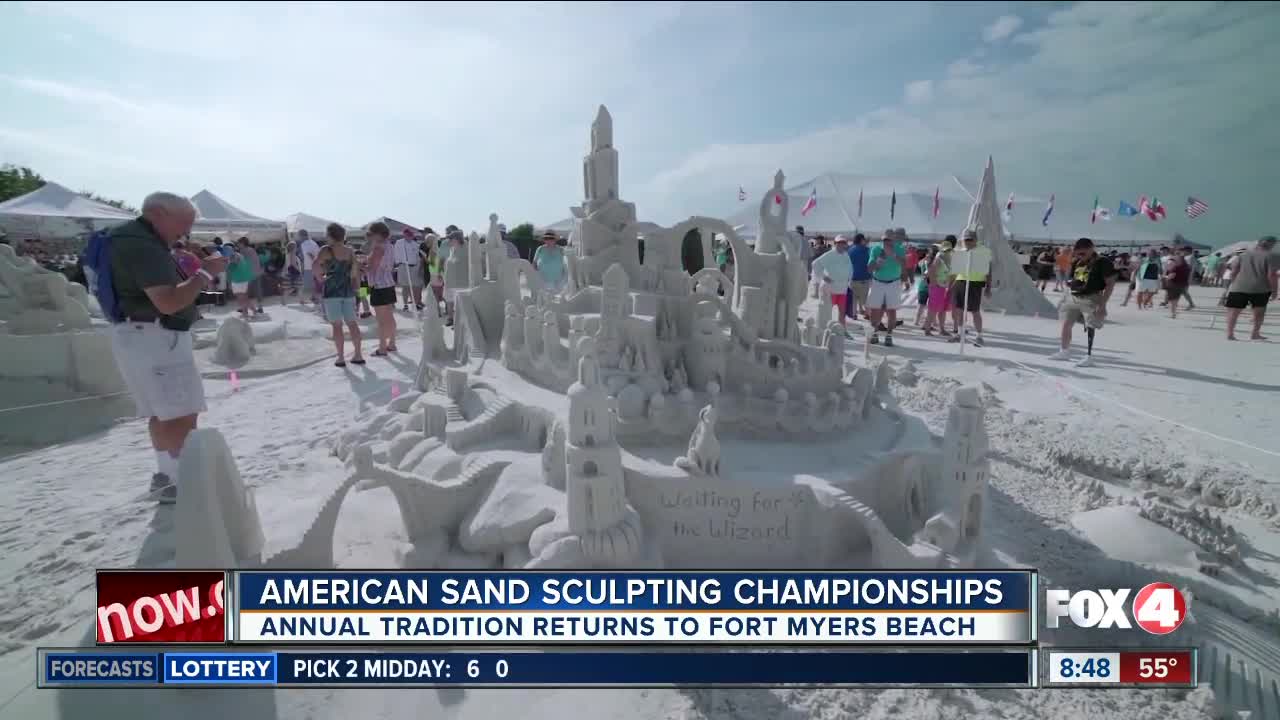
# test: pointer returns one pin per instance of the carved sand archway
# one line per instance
(707, 226)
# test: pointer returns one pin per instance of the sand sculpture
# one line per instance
(46, 331)
(235, 343)
(1012, 289)
(518, 446)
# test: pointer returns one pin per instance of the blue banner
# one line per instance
(497, 591)
(971, 667)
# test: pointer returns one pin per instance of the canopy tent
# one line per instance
(55, 212)
(396, 227)
(561, 228)
(837, 211)
(217, 217)
(316, 226)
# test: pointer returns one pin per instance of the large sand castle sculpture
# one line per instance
(524, 444)
(46, 330)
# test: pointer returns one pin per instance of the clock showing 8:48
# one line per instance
(1084, 667)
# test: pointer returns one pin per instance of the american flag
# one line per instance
(1196, 208)
(742, 194)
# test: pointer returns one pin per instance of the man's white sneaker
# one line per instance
(1086, 362)
(1061, 355)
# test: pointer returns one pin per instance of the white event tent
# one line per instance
(837, 211)
(216, 217)
(316, 226)
(55, 212)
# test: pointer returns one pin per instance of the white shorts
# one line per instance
(159, 369)
(240, 288)
(884, 295)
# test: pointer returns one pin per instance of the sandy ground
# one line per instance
(1171, 412)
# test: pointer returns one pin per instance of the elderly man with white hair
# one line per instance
(156, 307)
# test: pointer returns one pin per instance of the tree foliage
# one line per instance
(17, 181)
(522, 237)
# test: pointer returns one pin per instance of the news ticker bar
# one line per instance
(502, 608)
(866, 667)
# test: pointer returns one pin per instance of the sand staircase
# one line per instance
(497, 418)
(889, 550)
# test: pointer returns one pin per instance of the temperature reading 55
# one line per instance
(500, 668)
(1156, 667)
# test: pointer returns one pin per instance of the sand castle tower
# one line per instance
(599, 515)
(964, 475)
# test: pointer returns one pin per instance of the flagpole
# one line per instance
(840, 202)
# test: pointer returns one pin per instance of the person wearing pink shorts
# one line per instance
(939, 304)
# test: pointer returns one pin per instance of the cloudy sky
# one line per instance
(439, 113)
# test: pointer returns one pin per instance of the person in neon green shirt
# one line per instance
(970, 282)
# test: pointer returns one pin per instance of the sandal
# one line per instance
(340, 363)
(379, 353)
(392, 348)
(357, 361)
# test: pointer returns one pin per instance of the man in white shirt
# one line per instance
(408, 272)
(308, 249)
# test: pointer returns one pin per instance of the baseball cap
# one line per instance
(971, 234)
(842, 239)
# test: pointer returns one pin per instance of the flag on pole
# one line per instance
(777, 199)
(1126, 210)
(937, 201)
(1093, 216)
(1153, 209)
(1158, 208)
(1047, 211)
(859, 204)
(1008, 206)
(811, 203)
(1196, 208)
(893, 204)
(742, 194)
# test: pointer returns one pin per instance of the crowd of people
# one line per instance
(149, 279)
(866, 279)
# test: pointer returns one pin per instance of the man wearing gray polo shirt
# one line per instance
(152, 345)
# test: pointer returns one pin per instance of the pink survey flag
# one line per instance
(811, 203)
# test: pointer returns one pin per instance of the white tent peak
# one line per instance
(54, 200)
(211, 208)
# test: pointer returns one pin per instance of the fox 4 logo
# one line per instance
(1158, 608)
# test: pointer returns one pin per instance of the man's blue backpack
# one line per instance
(98, 257)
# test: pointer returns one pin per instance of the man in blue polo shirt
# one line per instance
(860, 285)
(885, 261)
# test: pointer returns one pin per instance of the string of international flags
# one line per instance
(1153, 208)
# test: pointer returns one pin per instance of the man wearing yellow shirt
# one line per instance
(971, 272)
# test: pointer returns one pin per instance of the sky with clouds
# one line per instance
(443, 113)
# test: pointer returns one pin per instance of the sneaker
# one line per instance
(977, 342)
(875, 338)
(1061, 355)
(1086, 362)
(163, 490)
(888, 340)
(953, 338)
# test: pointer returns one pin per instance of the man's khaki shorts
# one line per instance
(1074, 308)
(860, 290)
